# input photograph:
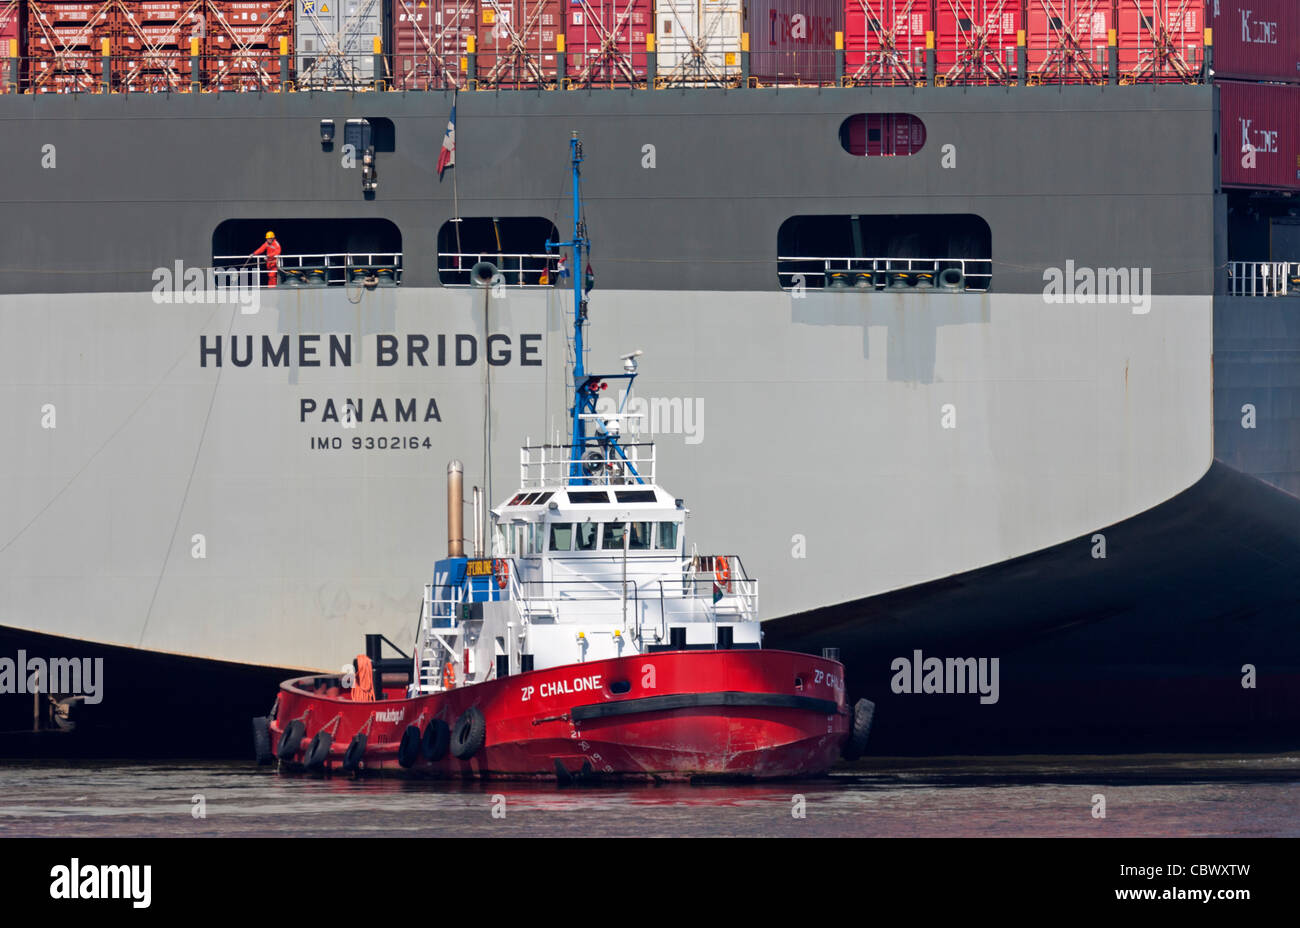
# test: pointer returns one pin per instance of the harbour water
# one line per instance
(1140, 796)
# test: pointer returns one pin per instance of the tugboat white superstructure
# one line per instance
(593, 641)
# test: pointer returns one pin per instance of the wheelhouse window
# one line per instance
(561, 536)
(514, 245)
(640, 536)
(613, 535)
(586, 536)
(898, 252)
(667, 536)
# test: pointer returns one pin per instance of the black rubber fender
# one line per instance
(289, 741)
(437, 737)
(318, 751)
(262, 740)
(356, 750)
(408, 751)
(468, 734)
(864, 712)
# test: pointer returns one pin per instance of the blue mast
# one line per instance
(586, 388)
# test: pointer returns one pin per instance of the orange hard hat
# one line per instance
(270, 235)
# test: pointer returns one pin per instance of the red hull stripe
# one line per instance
(694, 700)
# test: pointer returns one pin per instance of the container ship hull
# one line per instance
(188, 493)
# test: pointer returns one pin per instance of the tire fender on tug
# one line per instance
(356, 750)
(318, 751)
(864, 712)
(262, 740)
(291, 739)
(437, 738)
(408, 751)
(468, 734)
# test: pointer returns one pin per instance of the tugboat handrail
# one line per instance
(543, 466)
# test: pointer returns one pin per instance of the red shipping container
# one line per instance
(248, 24)
(10, 26)
(1259, 135)
(887, 134)
(1256, 40)
(1170, 39)
(975, 41)
(1160, 40)
(245, 69)
(605, 40)
(793, 41)
(517, 41)
(153, 71)
(884, 40)
(1067, 41)
(430, 42)
(66, 72)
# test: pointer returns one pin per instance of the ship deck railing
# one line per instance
(323, 270)
(528, 271)
(955, 275)
(549, 466)
(1264, 278)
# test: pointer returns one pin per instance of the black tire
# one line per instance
(408, 752)
(262, 740)
(864, 712)
(289, 741)
(356, 750)
(437, 737)
(318, 751)
(468, 734)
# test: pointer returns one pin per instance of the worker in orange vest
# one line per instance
(272, 250)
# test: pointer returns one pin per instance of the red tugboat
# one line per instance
(592, 643)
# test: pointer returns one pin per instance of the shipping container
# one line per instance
(64, 41)
(605, 40)
(1256, 40)
(975, 41)
(431, 42)
(1067, 41)
(242, 50)
(1259, 135)
(334, 42)
(698, 42)
(1160, 40)
(517, 42)
(882, 134)
(793, 41)
(11, 17)
(884, 40)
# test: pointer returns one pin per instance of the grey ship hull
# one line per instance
(820, 455)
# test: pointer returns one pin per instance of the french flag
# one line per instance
(447, 156)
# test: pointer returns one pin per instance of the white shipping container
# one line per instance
(334, 42)
(698, 41)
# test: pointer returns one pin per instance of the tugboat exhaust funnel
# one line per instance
(455, 510)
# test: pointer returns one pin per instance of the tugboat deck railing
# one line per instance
(549, 466)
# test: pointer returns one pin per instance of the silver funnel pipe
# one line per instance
(478, 522)
(455, 509)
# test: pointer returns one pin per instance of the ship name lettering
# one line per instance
(567, 687)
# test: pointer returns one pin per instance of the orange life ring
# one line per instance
(501, 570)
(722, 573)
(449, 676)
